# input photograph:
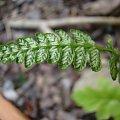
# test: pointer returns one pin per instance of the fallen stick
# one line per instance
(45, 25)
(9, 112)
(25, 23)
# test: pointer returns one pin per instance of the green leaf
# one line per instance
(81, 37)
(41, 55)
(1, 51)
(32, 43)
(65, 38)
(23, 44)
(54, 55)
(13, 47)
(3, 48)
(6, 53)
(40, 38)
(13, 50)
(119, 70)
(12, 57)
(110, 109)
(110, 44)
(7, 50)
(117, 117)
(113, 66)
(80, 58)
(104, 99)
(20, 57)
(52, 39)
(95, 59)
(88, 98)
(5, 58)
(67, 56)
(30, 58)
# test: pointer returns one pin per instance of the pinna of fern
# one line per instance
(59, 47)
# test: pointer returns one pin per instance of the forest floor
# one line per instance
(43, 92)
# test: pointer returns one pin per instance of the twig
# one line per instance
(9, 112)
(25, 23)
(45, 25)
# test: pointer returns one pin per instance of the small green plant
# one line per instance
(104, 100)
(60, 48)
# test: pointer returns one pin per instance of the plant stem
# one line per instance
(102, 48)
(119, 70)
(87, 46)
(99, 47)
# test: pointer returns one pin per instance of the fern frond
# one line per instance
(59, 48)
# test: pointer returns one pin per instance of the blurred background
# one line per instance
(43, 92)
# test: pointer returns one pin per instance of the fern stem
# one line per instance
(102, 48)
(119, 70)
(87, 46)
